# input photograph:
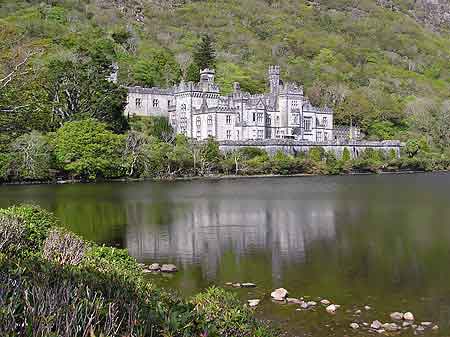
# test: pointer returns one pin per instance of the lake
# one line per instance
(376, 240)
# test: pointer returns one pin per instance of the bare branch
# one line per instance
(15, 72)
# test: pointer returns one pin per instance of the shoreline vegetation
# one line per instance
(55, 283)
(87, 151)
(211, 177)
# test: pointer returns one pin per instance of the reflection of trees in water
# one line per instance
(203, 230)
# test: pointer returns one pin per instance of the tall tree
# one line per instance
(204, 57)
(80, 89)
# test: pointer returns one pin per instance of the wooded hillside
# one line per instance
(385, 65)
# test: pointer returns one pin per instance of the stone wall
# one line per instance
(293, 147)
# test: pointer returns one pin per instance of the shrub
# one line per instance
(88, 150)
(282, 163)
(223, 315)
(346, 155)
(250, 152)
(316, 154)
(412, 147)
(12, 233)
(36, 224)
(64, 247)
(257, 165)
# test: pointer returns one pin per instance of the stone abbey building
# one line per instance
(198, 110)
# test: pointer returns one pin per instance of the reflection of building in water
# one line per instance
(202, 232)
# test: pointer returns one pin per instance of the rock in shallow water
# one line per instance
(332, 308)
(168, 268)
(253, 303)
(398, 316)
(408, 316)
(279, 294)
(354, 326)
(325, 302)
(376, 325)
(304, 305)
(248, 285)
(390, 327)
(154, 267)
(294, 300)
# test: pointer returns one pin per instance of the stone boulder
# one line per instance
(294, 300)
(279, 294)
(390, 327)
(253, 303)
(154, 267)
(168, 268)
(408, 316)
(376, 325)
(397, 316)
(248, 285)
(354, 326)
(332, 308)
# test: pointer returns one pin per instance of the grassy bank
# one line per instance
(56, 284)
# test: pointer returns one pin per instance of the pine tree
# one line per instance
(193, 73)
(205, 54)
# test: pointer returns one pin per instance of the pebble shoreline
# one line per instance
(399, 321)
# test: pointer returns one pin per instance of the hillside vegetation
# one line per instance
(384, 65)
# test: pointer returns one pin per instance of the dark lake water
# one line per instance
(379, 240)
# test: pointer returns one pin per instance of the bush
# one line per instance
(250, 152)
(223, 315)
(316, 154)
(346, 155)
(36, 224)
(12, 233)
(64, 247)
(88, 150)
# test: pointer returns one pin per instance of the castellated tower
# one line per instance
(274, 79)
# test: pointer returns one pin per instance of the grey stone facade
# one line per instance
(199, 110)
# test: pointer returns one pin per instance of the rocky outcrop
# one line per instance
(434, 14)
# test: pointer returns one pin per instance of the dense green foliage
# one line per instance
(88, 151)
(83, 289)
